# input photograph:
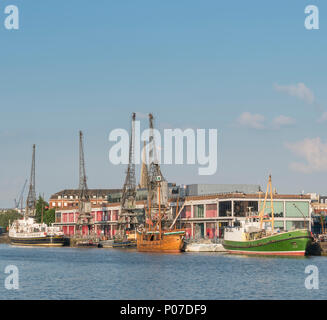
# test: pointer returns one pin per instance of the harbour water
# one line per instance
(74, 273)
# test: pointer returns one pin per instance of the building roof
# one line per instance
(91, 192)
(208, 189)
(248, 196)
(227, 196)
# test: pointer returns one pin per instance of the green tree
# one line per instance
(10, 215)
(48, 215)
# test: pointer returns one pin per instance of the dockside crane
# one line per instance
(84, 205)
(128, 214)
(31, 198)
(19, 202)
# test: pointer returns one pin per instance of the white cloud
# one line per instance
(298, 90)
(282, 120)
(255, 121)
(314, 151)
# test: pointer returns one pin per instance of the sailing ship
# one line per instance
(26, 231)
(153, 238)
(257, 235)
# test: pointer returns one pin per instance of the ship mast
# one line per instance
(159, 221)
(262, 211)
(153, 176)
(31, 198)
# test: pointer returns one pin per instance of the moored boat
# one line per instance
(153, 238)
(154, 241)
(26, 232)
(289, 243)
(257, 235)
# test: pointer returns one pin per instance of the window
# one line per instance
(225, 208)
(211, 210)
(58, 216)
(291, 225)
(198, 211)
(278, 208)
(297, 209)
(279, 225)
(242, 208)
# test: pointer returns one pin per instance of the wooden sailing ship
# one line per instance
(154, 238)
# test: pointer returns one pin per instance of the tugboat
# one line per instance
(155, 239)
(26, 231)
(256, 235)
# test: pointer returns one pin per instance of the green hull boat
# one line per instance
(290, 243)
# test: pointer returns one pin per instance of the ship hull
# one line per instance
(47, 241)
(170, 242)
(292, 243)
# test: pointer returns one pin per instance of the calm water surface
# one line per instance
(70, 273)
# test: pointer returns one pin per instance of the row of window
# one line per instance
(66, 204)
(76, 197)
(97, 216)
(293, 209)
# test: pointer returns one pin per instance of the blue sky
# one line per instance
(247, 68)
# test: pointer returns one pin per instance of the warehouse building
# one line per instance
(206, 216)
(203, 216)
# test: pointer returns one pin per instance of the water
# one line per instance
(72, 273)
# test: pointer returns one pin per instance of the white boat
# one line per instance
(26, 232)
(204, 247)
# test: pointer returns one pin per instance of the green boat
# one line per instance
(256, 235)
(289, 243)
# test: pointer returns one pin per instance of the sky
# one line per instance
(249, 69)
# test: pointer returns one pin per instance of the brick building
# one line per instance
(69, 197)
